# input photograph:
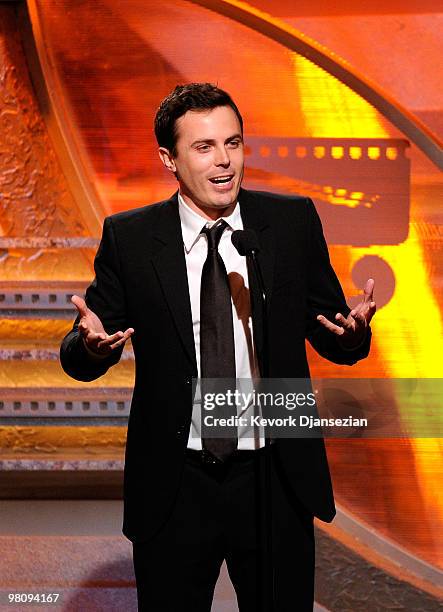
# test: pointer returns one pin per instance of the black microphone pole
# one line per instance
(246, 243)
(264, 301)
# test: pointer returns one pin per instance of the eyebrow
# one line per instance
(212, 141)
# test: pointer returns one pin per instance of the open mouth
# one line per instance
(222, 180)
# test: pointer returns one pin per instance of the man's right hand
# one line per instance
(93, 333)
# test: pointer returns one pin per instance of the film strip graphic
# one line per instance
(361, 186)
(55, 406)
(29, 301)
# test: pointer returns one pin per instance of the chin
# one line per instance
(228, 200)
(224, 205)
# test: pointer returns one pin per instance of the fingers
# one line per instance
(346, 323)
(355, 324)
(367, 307)
(104, 344)
(80, 304)
(368, 291)
(364, 311)
(371, 311)
(115, 340)
(335, 329)
(359, 315)
(92, 338)
(91, 328)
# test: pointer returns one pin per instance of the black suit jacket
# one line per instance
(141, 282)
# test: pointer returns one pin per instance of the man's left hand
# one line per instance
(353, 328)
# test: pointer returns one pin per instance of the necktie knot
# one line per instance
(214, 234)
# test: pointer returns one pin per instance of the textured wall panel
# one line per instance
(35, 200)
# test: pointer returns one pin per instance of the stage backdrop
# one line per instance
(343, 106)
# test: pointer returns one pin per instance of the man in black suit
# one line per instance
(189, 504)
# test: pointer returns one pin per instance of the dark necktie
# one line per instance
(217, 353)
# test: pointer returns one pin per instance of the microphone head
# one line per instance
(245, 241)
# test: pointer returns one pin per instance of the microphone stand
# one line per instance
(265, 483)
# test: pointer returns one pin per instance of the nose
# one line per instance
(221, 157)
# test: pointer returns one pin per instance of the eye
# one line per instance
(234, 144)
(203, 148)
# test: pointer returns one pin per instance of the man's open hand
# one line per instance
(352, 329)
(93, 332)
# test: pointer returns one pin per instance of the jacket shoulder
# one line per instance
(268, 199)
(149, 211)
(280, 207)
(269, 196)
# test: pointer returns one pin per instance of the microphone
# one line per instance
(245, 241)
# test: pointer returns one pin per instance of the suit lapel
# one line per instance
(253, 218)
(170, 265)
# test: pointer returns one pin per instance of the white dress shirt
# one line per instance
(196, 250)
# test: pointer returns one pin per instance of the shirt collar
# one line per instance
(192, 223)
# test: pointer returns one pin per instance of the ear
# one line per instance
(167, 159)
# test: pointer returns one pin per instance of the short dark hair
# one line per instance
(184, 98)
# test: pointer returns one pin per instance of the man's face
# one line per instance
(209, 160)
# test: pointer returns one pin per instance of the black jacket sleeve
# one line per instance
(105, 297)
(325, 296)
